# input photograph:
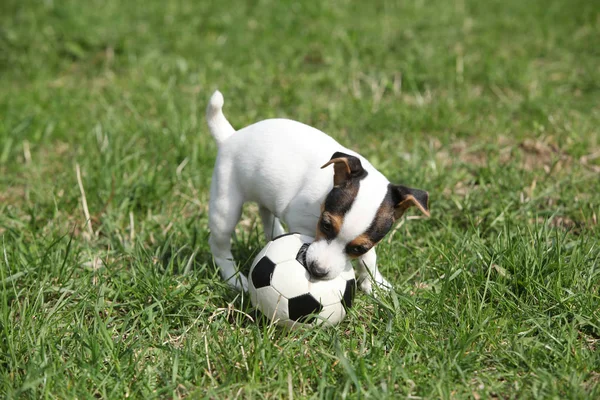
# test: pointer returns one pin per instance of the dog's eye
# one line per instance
(326, 226)
(356, 250)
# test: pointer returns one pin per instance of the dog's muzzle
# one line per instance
(312, 268)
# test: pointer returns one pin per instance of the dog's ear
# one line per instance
(405, 197)
(345, 167)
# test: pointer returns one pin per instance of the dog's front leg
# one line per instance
(368, 273)
(271, 224)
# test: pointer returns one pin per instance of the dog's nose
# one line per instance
(316, 271)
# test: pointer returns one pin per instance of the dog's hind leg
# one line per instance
(225, 209)
(271, 224)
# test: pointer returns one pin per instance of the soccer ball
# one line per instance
(282, 289)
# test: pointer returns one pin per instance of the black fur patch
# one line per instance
(340, 199)
(356, 169)
(384, 218)
(400, 192)
(337, 203)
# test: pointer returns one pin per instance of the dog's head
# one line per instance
(357, 213)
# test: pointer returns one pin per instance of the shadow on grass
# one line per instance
(177, 257)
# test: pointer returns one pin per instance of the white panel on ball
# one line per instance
(348, 272)
(290, 279)
(284, 248)
(305, 239)
(272, 304)
(333, 314)
(328, 292)
(262, 253)
(252, 292)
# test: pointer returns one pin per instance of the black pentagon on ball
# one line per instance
(302, 308)
(262, 272)
(349, 293)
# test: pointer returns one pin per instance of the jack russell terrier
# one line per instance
(283, 165)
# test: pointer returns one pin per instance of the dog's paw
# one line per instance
(366, 285)
(383, 284)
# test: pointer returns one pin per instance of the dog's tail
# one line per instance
(218, 125)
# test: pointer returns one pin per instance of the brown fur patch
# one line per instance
(341, 170)
(319, 235)
(346, 167)
(408, 202)
(336, 222)
(362, 240)
(383, 221)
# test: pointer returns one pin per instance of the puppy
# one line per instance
(301, 176)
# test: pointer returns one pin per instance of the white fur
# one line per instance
(277, 164)
(370, 196)
(331, 255)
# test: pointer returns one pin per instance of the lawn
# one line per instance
(492, 106)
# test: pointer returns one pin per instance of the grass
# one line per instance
(490, 106)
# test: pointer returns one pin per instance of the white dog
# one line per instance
(278, 163)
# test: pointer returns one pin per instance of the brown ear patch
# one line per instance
(345, 167)
(408, 202)
(341, 170)
(405, 197)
